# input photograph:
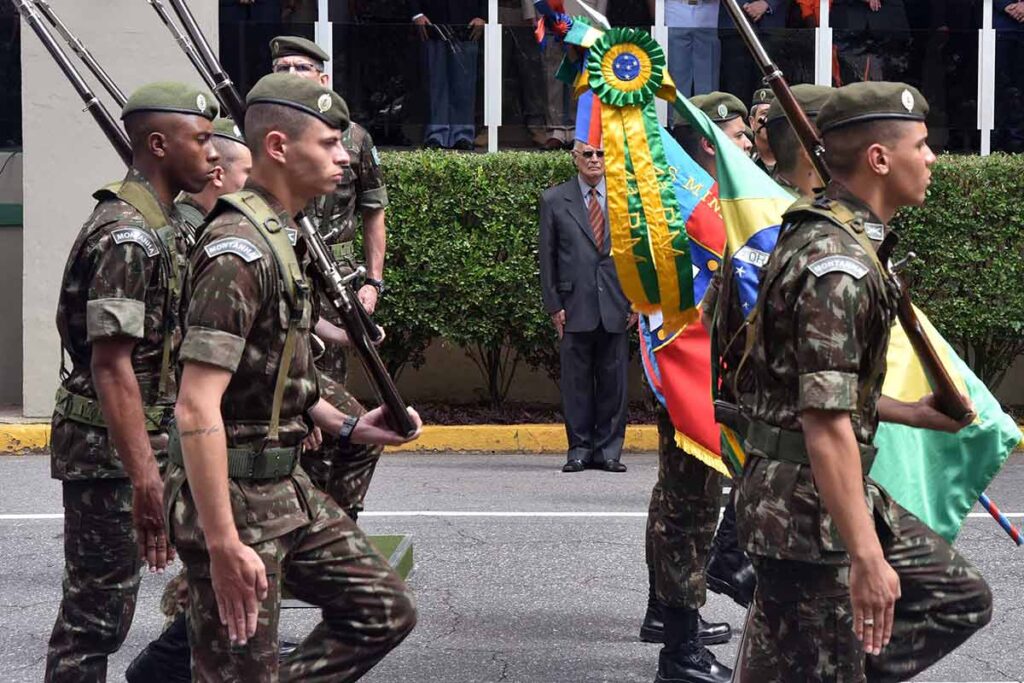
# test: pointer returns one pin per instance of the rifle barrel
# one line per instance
(115, 134)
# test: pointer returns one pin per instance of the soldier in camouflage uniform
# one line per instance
(229, 176)
(793, 170)
(850, 586)
(118, 323)
(684, 505)
(342, 471)
(244, 516)
(762, 154)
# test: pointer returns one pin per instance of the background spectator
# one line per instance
(739, 73)
(1008, 20)
(450, 31)
(694, 51)
(863, 30)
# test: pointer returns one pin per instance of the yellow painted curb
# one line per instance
(521, 438)
(24, 438)
(518, 438)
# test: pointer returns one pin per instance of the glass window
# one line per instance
(933, 45)
(1008, 135)
(10, 77)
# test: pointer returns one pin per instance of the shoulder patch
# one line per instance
(839, 264)
(138, 236)
(874, 231)
(239, 246)
(754, 257)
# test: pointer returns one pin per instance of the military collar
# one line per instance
(189, 200)
(783, 182)
(866, 220)
(134, 175)
(272, 201)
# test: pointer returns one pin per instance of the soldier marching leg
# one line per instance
(342, 472)
(101, 580)
(943, 601)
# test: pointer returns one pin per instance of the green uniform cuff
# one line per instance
(106, 318)
(377, 198)
(213, 347)
(828, 390)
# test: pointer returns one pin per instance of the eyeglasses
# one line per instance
(301, 68)
(586, 154)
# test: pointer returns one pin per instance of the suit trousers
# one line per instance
(593, 385)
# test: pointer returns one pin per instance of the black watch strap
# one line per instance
(373, 282)
(347, 427)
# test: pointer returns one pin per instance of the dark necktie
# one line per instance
(596, 216)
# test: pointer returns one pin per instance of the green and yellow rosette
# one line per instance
(625, 68)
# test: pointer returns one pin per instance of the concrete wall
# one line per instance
(67, 157)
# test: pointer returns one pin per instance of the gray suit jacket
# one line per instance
(574, 275)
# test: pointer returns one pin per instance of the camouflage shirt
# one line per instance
(237, 319)
(820, 343)
(361, 187)
(115, 284)
(192, 217)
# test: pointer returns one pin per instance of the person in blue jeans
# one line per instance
(450, 31)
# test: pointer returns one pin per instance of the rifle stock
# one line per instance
(361, 330)
(948, 399)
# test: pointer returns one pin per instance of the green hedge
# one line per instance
(462, 261)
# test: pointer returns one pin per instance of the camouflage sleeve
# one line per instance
(371, 193)
(831, 308)
(125, 259)
(229, 283)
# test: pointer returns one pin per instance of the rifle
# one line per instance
(361, 330)
(115, 134)
(948, 399)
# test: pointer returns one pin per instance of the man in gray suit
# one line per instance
(581, 291)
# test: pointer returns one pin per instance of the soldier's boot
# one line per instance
(728, 570)
(684, 659)
(652, 630)
(165, 660)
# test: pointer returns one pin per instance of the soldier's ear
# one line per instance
(217, 178)
(879, 159)
(156, 144)
(275, 145)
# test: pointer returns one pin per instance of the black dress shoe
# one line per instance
(573, 466)
(463, 145)
(728, 570)
(653, 629)
(614, 466)
(165, 660)
(713, 634)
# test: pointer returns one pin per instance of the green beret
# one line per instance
(762, 96)
(810, 97)
(303, 94)
(721, 106)
(872, 101)
(287, 46)
(226, 128)
(176, 98)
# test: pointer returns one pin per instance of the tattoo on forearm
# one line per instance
(202, 431)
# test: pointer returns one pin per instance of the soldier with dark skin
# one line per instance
(244, 517)
(683, 511)
(229, 176)
(850, 586)
(119, 326)
(342, 471)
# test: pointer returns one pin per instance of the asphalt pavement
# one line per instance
(522, 573)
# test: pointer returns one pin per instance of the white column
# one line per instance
(660, 33)
(323, 34)
(823, 47)
(986, 78)
(492, 75)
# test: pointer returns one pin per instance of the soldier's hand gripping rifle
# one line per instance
(106, 122)
(948, 399)
(361, 330)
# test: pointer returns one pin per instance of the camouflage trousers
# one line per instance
(342, 472)
(800, 627)
(367, 609)
(101, 580)
(681, 521)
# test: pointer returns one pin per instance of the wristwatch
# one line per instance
(347, 427)
(378, 284)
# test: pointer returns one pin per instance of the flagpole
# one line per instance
(1001, 518)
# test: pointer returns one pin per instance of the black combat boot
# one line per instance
(728, 570)
(165, 660)
(653, 628)
(684, 659)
